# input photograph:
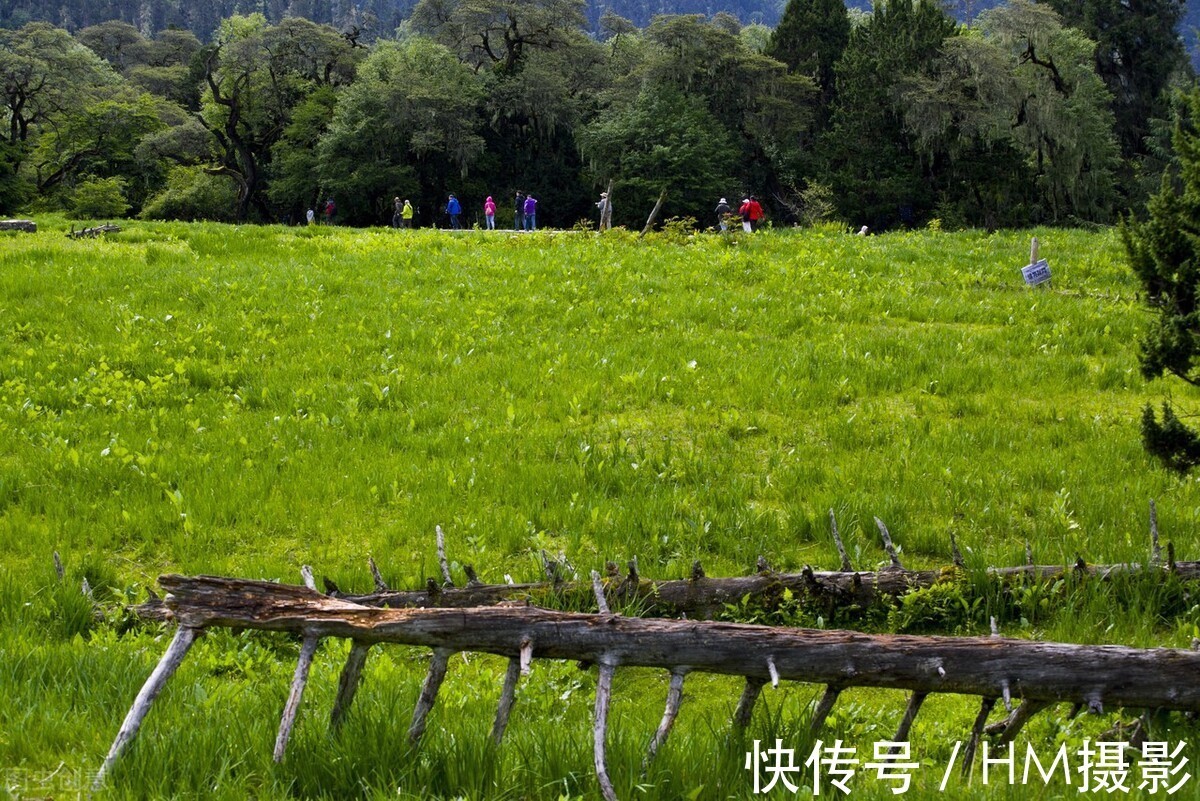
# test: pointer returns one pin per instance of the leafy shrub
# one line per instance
(99, 198)
(193, 194)
(816, 204)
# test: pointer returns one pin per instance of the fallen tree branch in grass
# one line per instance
(704, 597)
(1038, 674)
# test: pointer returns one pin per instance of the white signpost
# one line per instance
(1038, 271)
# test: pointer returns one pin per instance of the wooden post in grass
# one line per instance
(1038, 272)
(662, 196)
(606, 211)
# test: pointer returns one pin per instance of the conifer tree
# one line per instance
(1164, 252)
(810, 39)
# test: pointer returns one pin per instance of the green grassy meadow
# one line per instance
(201, 398)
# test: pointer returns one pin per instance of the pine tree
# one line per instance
(1138, 49)
(868, 158)
(810, 39)
(1164, 252)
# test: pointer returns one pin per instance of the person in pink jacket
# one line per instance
(489, 213)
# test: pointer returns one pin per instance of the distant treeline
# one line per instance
(1056, 112)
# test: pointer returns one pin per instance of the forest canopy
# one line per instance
(1034, 113)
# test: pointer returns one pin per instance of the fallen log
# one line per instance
(28, 226)
(1037, 673)
(1117, 675)
(93, 232)
(702, 597)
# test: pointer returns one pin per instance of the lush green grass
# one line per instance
(244, 400)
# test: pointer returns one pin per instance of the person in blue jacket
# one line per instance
(454, 209)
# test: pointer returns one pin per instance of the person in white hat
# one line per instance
(723, 210)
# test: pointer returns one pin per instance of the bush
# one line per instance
(99, 198)
(816, 204)
(193, 194)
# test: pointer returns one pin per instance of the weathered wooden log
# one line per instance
(824, 707)
(985, 666)
(745, 707)
(348, 683)
(447, 581)
(910, 714)
(170, 662)
(380, 584)
(702, 597)
(600, 728)
(977, 729)
(846, 567)
(299, 680)
(508, 696)
(674, 698)
(28, 226)
(662, 196)
(1039, 674)
(429, 691)
(107, 228)
(887, 544)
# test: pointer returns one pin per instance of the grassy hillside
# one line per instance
(210, 399)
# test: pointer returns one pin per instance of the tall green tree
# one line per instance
(877, 172)
(1062, 121)
(961, 113)
(810, 39)
(663, 141)
(46, 79)
(255, 75)
(752, 100)
(408, 126)
(1138, 50)
(1164, 253)
(498, 33)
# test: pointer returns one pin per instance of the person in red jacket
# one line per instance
(756, 213)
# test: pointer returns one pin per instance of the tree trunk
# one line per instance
(702, 597)
(654, 213)
(1094, 675)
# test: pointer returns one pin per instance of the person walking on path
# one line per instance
(530, 213)
(406, 215)
(489, 213)
(723, 210)
(330, 210)
(397, 212)
(519, 212)
(311, 216)
(454, 209)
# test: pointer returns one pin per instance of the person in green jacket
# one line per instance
(406, 215)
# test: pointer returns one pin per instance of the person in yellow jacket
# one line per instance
(406, 215)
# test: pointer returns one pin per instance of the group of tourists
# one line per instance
(751, 212)
(327, 209)
(524, 212)
(525, 207)
(402, 213)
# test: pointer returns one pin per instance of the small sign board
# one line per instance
(1036, 273)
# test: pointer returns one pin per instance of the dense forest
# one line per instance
(1058, 111)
